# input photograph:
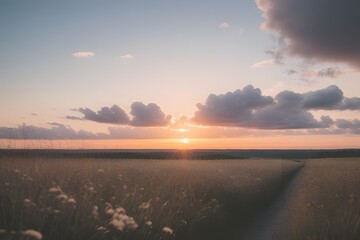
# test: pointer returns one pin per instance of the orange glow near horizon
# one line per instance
(269, 142)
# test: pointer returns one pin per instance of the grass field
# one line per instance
(326, 202)
(136, 199)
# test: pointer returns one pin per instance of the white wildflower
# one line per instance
(118, 224)
(110, 211)
(148, 223)
(120, 210)
(71, 201)
(55, 190)
(32, 234)
(101, 228)
(95, 211)
(62, 197)
(27, 202)
(131, 224)
(167, 230)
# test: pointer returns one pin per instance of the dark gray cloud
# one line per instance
(231, 109)
(351, 126)
(149, 115)
(286, 113)
(287, 110)
(330, 98)
(348, 124)
(326, 30)
(113, 115)
(350, 104)
(327, 98)
(143, 115)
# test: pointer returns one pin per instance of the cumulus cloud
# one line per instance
(143, 115)
(287, 110)
(231, 109)
(352, 126)
(224, 25)
(330, 98)
(149, 115)
(285, 113)
(113, 115)
(127, 56)
(83, 54)
(325, 30)
(348, 124)
(327, 98)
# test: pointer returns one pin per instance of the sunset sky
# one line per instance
(175, 74)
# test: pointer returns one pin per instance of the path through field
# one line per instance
(272, 220)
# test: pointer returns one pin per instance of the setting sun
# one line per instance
(185, 140)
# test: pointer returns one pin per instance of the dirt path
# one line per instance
(273, 218)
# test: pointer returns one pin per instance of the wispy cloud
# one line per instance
(83, 54)
(329, 72)
(264, 63)
(127, 56)
(224, 25)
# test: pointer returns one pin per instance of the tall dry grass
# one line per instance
(135, 199)
(326, 203)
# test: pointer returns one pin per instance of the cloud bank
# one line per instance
(325, 30)
(248, 108)
(244, 112)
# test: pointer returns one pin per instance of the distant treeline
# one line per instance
(181, 154)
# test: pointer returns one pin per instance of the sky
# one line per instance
(180, 74)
